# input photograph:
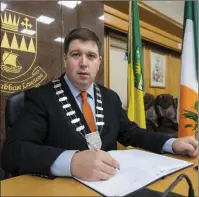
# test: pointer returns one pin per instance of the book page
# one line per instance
(158, 165)
(137, 169)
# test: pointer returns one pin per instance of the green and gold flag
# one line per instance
(136, 110)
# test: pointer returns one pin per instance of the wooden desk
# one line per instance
(34, 186)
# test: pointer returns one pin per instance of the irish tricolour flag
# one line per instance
(189, 66)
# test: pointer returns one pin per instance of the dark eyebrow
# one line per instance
(76, 50)
(89, 52)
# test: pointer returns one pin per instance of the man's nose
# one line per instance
(83, 61)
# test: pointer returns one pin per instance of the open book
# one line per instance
(137, 169)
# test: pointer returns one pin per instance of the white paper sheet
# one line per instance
(137, 169)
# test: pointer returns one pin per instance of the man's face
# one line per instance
(82, 62)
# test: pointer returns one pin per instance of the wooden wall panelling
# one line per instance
(172, 70)
(114, 22)
(155, 18)
(150, 16)
(174, 64)
(117, 20)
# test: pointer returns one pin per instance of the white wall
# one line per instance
(118, 69)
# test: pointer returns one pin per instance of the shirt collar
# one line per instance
(75, 92)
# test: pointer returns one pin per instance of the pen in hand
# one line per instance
(95, 149)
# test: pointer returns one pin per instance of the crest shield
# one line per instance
(18, 44)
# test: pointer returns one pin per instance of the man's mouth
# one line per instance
(83, 73)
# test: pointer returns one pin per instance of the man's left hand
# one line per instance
(186, 146)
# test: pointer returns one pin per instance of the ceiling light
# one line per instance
(59, 39)
(28, 32)
(101, 17)
(45, 19)
(69, 4)
(3, 6)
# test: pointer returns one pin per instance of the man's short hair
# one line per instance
(83, 34)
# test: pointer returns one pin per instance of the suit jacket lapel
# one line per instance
(73, 103)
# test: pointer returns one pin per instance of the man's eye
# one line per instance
(75, 55)
(91, 56)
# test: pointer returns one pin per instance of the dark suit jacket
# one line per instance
(43, 131)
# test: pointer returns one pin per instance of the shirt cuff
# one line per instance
(61, 166)
(167, 147)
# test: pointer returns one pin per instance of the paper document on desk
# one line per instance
(137, 169)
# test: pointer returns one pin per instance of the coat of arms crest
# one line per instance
(19, 52)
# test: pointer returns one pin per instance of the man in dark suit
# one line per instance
(68, 125)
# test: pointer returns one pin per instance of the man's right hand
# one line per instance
(91, 165)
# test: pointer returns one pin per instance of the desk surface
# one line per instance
(35, 186)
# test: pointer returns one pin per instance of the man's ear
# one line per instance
(65, 57)
(100, 57)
